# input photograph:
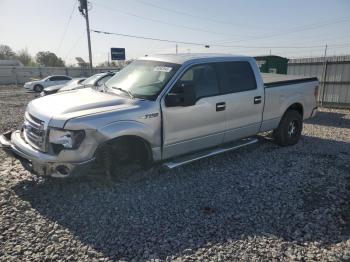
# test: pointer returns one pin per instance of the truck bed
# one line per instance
(272, 80)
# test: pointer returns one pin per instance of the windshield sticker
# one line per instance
(162, 69)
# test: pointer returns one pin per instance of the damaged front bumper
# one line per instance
(39, 162)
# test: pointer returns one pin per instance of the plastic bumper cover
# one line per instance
(38, 162)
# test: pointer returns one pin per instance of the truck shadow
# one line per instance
(234, 196)
(331, 119)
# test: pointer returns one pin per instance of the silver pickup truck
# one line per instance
(172, 109)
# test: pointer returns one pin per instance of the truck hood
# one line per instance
(60, 107)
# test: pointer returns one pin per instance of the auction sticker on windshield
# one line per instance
(162, 69)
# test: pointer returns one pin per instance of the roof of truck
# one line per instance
(182, 58)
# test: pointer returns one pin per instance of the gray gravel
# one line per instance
(259, 203)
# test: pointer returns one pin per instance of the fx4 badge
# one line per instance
(150, 116)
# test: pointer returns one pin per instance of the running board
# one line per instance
(183, 160)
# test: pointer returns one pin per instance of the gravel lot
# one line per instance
(259, 203)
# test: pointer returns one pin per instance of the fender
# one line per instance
(296, 99)
(132, 128)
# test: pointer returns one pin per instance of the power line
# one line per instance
(74, 44)
(295, 30)
(215, 45)
(160, 21)
(188, 14)
(148, 38)
(67, 25)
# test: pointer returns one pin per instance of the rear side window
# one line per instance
(237, 77)
(204, 79)
(65, 78)
(54, 78)
(59, 78)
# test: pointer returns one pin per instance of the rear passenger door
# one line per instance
(243, 98)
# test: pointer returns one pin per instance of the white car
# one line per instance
(39, 85)
(53, 89)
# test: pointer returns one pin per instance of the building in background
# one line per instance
(10, 63)
(272, 64)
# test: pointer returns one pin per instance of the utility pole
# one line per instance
(324, 74)
(83, 9)
(176, 49)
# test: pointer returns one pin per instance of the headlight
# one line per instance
(66, 138)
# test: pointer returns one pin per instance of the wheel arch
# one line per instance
(297, 107)
(137, 147)
(137, 134)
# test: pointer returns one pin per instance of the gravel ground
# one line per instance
(259, 203)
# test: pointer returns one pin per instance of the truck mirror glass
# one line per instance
(174, 99)
(182, 94)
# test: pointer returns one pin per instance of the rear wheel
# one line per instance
(289, 130)
(38, 88)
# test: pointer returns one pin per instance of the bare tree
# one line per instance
(24, 57)
(6, 52)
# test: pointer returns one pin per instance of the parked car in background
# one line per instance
(39, 85)
(94, 80)
(53, 89)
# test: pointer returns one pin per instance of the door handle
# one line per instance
(220, 106)
(257, 100)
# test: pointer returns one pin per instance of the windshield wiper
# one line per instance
(124, 90)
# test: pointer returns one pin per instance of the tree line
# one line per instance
(42, 58)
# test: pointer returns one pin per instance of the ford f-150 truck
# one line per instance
(172, 109)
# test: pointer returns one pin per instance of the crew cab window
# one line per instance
(237, 77)
(204, 80)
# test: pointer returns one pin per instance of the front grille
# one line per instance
(33, 132)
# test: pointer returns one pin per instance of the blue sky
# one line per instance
(254, 27)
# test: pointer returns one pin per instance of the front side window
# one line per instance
(204, 80)
(143, 78)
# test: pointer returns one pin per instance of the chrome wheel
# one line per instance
(292, 128)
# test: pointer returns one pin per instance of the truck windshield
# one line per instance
(143, 79)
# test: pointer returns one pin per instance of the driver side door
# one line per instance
(198, 126)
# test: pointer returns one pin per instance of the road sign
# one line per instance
(118, 53)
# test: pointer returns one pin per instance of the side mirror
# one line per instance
(174, 99)
(185, 95)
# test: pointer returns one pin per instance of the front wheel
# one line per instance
(289, 130)
(38, 88)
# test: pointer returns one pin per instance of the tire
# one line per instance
(38, 88)
(289, 130)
